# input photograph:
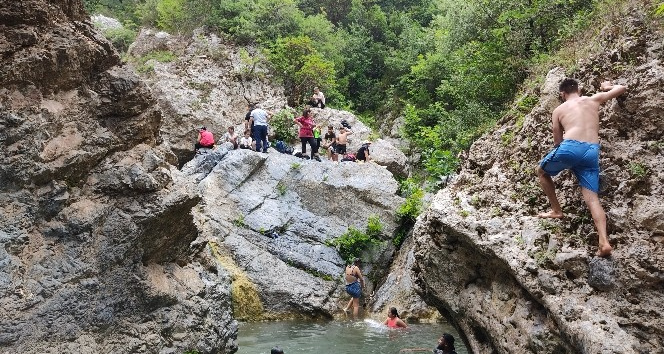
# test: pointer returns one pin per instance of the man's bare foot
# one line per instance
(604, 251)
(551, 215)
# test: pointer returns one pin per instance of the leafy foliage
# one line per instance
(412, 207)
(448, 66)
(283, 126)
(121, 38)
(353, 242)
(300, 67)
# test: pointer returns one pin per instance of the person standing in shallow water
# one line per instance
(576, 147)
(354, 285)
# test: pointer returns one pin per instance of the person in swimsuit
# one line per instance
(393, 320)
(576, 147)
(354, 285)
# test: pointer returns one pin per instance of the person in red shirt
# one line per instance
(205, 139)
(306, 124)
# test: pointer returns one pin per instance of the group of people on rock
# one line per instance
(255, 136)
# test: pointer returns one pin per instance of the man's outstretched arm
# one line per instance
(610, 91)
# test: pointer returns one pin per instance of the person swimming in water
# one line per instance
(354, 285)
(445, 346)
(393, 320)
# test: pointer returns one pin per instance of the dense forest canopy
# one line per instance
(449, 67)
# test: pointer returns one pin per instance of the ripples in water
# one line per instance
(340, 337)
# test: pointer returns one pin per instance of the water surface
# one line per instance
(340, 337)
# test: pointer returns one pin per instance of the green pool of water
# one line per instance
(340, 337)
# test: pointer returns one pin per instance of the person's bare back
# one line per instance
(578, 117)
(342, 137)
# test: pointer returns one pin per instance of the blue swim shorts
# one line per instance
(580, 157)
(354, 289)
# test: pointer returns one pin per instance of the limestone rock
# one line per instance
(523, 284)
(602, 274)
(97, 250)
(206, 84)
(386, 154)
(273, 216)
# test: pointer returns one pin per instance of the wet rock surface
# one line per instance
(516, 283)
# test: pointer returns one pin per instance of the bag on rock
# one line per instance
(283, 148)
(349, 157)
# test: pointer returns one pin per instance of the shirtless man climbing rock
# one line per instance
(576, 147)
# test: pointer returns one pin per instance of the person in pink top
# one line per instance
(205, 139)
(306, 124)
(393, 320)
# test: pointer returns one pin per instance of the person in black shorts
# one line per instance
(330, 143)
(342, 140)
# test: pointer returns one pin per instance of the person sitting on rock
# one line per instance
(246, 142)
(306, 124)
(576, 147)
(393, 320)
(342, 140)
(363, 152)
(230, 137)
(317, 99)
(445, 346)
(330, 142)
(205, 139)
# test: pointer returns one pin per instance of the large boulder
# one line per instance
(97, 250)
(516, 283)
(273, 217)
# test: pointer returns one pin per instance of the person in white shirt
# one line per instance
(230, 137)
(318, 98)
(246, 142)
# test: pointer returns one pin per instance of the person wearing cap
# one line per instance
(363, 152)
(445, 346)
(205, 139)
(354, 285)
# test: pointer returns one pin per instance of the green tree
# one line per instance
(300, 67)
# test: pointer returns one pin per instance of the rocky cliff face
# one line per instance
(96, 223)
(105, 246)
(518, 284)
(270, 217)
(202, 80)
